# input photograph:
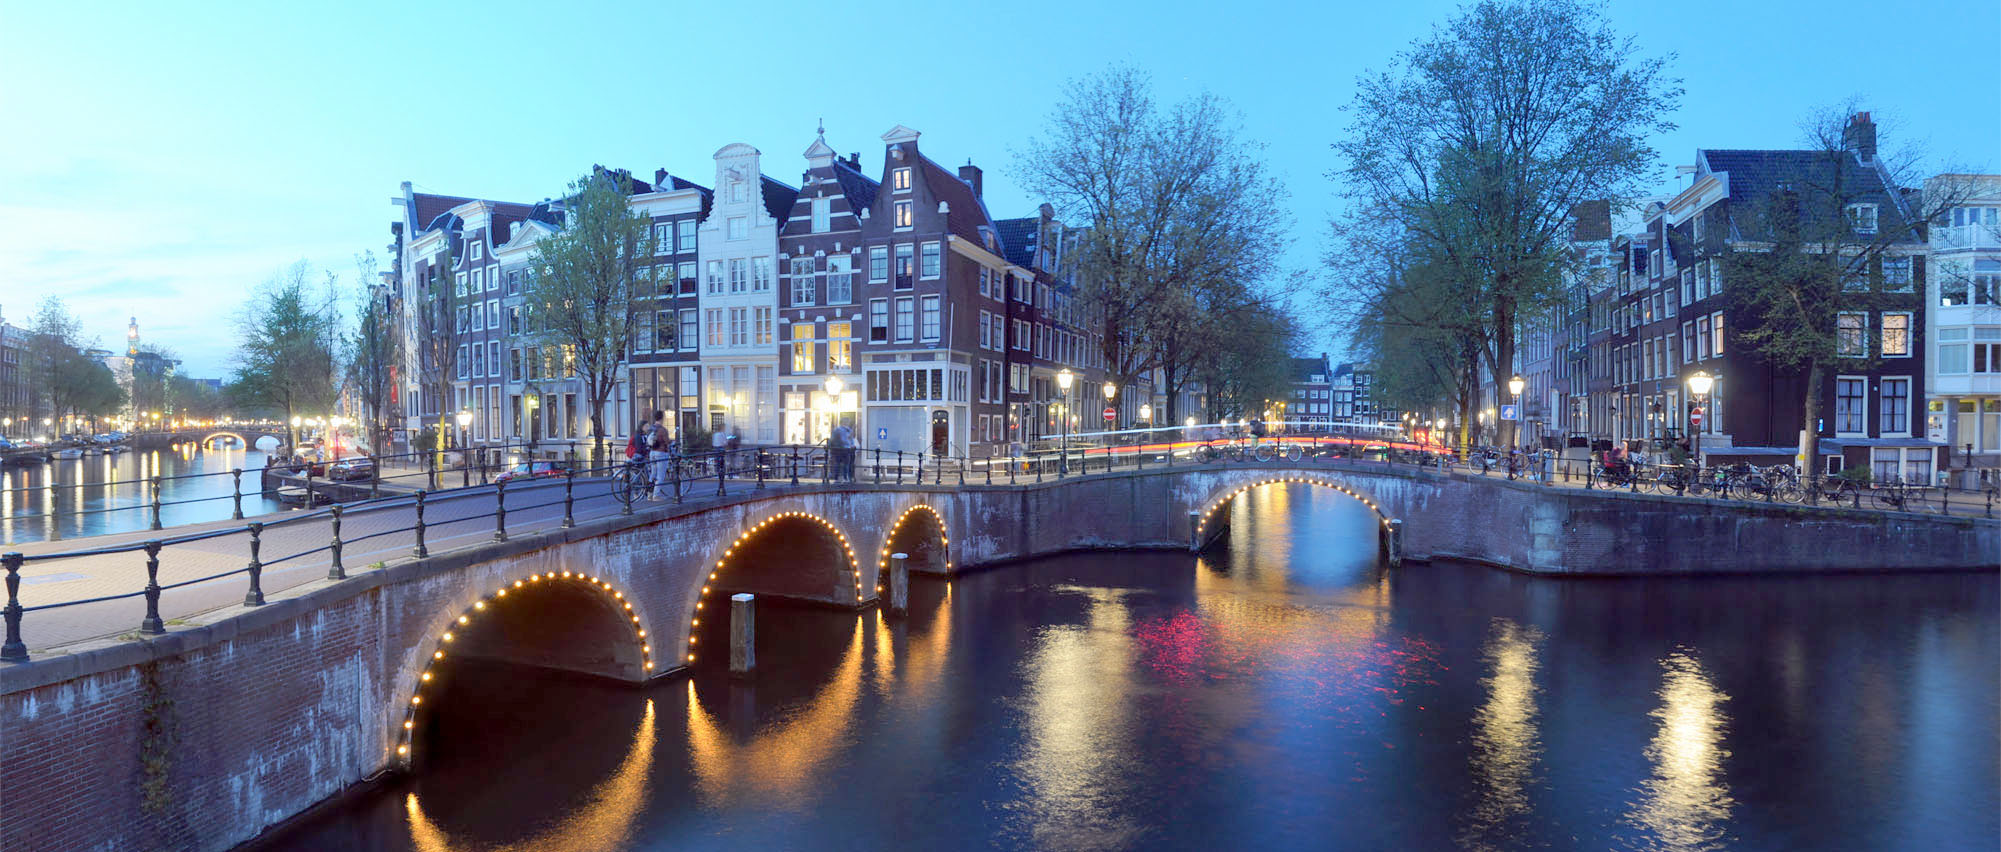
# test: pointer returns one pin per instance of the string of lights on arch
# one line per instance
(854, 565)
(495, 599)
(1325, 483)
(944, 539)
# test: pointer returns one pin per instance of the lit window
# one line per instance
(902, 217)
(899, 178)
(1848, 342)
(1896, 335)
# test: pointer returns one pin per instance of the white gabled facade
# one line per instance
(739, 301)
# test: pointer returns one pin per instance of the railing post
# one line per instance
(990, 469)
(255, 597)
(1012, 465)
(500, 510)
(374, 477)
(465, 469)
(878, 465)
(899, 467)
(722, 470)
(309, 486)
(757, 461)
(14, 650)
(431, 468)
(152, 623)
(569, 484)
(156, 502)
(962, 467)
(237, 513)
(795, 464)
(420, 551)
(336, 571)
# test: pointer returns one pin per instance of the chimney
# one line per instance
(659, 178)
(971, 174)
(1860, 136)
(1047, 211)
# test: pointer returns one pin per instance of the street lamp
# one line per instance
(1065, 378)
(1111, 391)
(465, 464)
(1699, 384)
(1146, 413)
(835, 387)
(1515, 386)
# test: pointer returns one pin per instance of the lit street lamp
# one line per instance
(1515, 386)
(1111, 391)
(1699, 384)
(1064, 378)
(465, 464)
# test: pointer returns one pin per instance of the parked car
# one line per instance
(360, 467)
(530, 470)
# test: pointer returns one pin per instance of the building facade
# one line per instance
(738, 244)
(1963, 323)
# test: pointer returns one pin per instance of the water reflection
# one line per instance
(1075, 760)
(1507, 745)
(604, 820)
(94, 495)
(779, 761)
(1686, 805)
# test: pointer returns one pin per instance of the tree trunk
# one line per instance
(1810, 409)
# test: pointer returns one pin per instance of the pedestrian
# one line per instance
(844, 441)
(658, 452)
(718, 440)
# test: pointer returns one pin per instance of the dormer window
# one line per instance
(1862, 218)
(899, 179)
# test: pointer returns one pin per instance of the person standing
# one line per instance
(844, 452)
(658, 455)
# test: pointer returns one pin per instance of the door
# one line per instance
(941, 433)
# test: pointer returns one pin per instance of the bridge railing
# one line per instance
(615, 486)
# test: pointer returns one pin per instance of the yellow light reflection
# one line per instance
(1686, 804)
(1076, 751)
(1507, 741)
(604, 821)
(785, 758)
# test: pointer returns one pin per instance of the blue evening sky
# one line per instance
(160, 159)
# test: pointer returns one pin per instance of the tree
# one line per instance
(50, 369)
(1244, 379)
(1808, 252)
(1488, 133)
(1181, 215)
(578, 302)
(287, 356)
(373, 350)
(440, 320)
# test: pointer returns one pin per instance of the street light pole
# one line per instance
(1700, 384)
(1064, 379)
(1515, 386)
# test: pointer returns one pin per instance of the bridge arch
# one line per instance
(920, 533)
(1220, 500)
(761, 543)
(496, 620)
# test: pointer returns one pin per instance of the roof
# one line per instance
(859, 188)
(778, 198)
(1017, 239)
(430, 207)
(1756, 174)
(965, 212)
(1304, 369)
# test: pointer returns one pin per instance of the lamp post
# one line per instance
(1111, 392)
(1515, 386)
(835, 387)
(1146, 413)
(1700, 384)
(1065, 378)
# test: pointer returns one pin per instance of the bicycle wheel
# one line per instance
(1235, 453)
(622, 485)
(1263, 452)
(1209, 453)
(1788, 492)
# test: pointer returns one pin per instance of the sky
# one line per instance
(161, 160)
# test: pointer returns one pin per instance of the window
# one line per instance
(761, 319)
(1952, 352)
(878, 265)
(802, 348)
(663, 239)
(739, 327)
(803, 291)
(642, 331)
(689, 335)
(1894, 407)
(933, 259)
(738, 193)
(930, 318)
(904, 262)
(985, 276)
(687, 276)
(1850, 404)
(1687, 342)
(1716, 334)
(715, 277)
(1987, 350)
(986, 334)
(513, 282)
(902, 217)
(878, 320)
(1862, 217)
(999, 332)
(478, 249)
(739, 275)
(459, 284)
(840, 281)
(899, 179)
(1848, 342)
(739, 227)
(717, 331)
(1896, 340)
(1854, 277)
(1897, 274)
(478, 360)
(1021, 335)
(905, 319)
(823, 209)
(840, 349)
(760, 278)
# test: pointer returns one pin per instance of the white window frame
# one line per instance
(1861, 335)
(1882, 329)
(1863, 218)
(1864, 419)
(930, 260)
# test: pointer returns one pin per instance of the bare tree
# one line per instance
(290, 339)
(373, 351)
(440, 320)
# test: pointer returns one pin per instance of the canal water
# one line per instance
(94, 495)
(1285, 692)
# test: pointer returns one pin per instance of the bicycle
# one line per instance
(1899, 496)
(632, 479)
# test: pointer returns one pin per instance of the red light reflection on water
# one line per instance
(1327, 665)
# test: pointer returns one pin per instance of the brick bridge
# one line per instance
(207, 735)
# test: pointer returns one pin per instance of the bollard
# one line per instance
(569, 482)
(14, 650)
(899, 585)
(1194, 532)
(152, 623)
(237, 475)
(374, 477)
(309, 486)
(500, 510)
(336, 571)
(255, 597)
(156, 502)
(1393, 541)
(743, 634)
(420, 551)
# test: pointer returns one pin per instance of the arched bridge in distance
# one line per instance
(273, 708)
(206, 436)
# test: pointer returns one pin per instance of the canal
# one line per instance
(99, 494)
(1282, 692)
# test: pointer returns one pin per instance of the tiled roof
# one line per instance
(1755, 175)
(430, 207)
(778, 198)
(1303, 369)
(859, 188)
(965, 213)
(1017, 239)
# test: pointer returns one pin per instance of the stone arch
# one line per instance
(919, 532)
(760, 542)
(1215, 503)
(458, 636)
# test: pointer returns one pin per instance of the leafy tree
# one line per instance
(439, 320)
(1243, 379)
(578, 300)
(1181, 217)
(287, 357)
(373, 350)
(1485, 136)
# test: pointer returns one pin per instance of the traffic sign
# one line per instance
(1511, 412)
(1695, 416)
(1111, 413)
(882, 433)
